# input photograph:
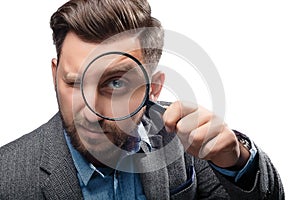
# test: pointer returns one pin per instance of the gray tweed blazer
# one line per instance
(39, 166)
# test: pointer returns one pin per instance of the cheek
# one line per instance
(69, 100)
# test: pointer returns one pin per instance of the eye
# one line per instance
(73, 83)
(116, 84)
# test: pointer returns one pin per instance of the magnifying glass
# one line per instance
(115, 86)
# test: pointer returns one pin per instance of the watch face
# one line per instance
(243, 139)
(245, 143)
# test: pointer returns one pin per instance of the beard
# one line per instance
(104, 152)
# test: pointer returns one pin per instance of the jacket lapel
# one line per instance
(62, 183)
(61, 180)
(155, 174)
(164, 166)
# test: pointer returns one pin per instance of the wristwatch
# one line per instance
(243, 139)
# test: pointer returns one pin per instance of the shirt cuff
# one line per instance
(238, 174)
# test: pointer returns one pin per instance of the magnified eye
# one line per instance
(116, 84)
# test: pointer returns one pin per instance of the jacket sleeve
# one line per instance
(260, 182)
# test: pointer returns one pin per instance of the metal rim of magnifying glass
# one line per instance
(146, 97)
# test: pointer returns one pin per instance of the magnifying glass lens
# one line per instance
(115, 86)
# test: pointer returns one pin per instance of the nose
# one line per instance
(93, 105)
(90, 114)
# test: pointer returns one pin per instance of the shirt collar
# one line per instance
(86, 170)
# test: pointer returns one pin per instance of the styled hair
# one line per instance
(97, 20)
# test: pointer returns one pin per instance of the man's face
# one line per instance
(91, 135)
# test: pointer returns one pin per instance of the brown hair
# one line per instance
(96, 20)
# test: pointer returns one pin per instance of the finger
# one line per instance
(199, 137)
(175, 112)
(194, 120)
(221, 148)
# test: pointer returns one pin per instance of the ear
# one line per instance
(54, 70)
(157, 83)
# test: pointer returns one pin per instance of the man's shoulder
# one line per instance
(21, 162)
(29, 142)
(26, 142)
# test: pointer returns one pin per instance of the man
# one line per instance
(185, 153)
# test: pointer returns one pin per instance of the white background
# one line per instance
(255, 46)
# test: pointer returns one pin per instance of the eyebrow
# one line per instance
(120, 68)
(70, 76)
(125, 68)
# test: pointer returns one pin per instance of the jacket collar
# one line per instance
(57, 163)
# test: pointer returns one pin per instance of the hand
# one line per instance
(204, 135)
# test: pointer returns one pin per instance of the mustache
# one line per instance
(96, 126)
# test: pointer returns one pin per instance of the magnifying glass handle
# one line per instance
(159, 106)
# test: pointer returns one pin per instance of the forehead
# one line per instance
(76, 54)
